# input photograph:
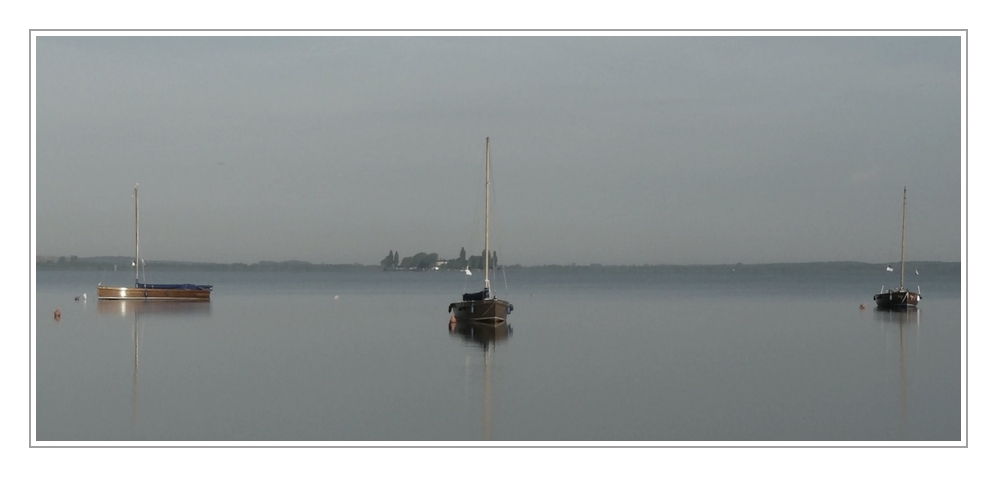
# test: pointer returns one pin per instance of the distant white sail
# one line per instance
(467, 271)
(916, 272)
(889, 268)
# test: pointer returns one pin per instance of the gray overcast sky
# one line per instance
(614, 150)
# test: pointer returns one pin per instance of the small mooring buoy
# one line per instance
(862, 306)
(58, 314)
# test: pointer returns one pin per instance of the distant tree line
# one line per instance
(65, 262)
(125, 263)
(427, 261)
(419, 261)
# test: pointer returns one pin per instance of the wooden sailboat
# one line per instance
(151, 291)
(481, 307)
(899, 297)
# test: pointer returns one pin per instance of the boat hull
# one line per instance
(897, 299)
(480, 311)
(133, 293)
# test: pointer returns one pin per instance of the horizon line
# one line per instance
(573, 264)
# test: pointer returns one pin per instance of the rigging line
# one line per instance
(479, 208)
(498, 234)
(504, 280)
(497, 229)
(908, 222)
(477, 225)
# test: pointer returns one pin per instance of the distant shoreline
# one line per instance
(125, 263)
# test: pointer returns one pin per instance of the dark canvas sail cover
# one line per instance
(481, 295)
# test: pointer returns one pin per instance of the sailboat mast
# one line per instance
(488, 171)
(903, 237)
(136, 235)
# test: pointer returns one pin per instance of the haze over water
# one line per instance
(621, 150)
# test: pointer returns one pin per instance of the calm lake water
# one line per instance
(591, 354)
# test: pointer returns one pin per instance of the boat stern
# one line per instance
(480, 311)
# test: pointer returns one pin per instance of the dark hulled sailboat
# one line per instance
(482, 307)
(899, 297)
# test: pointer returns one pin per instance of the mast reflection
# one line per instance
(146, 309)
(484, 336)
(902, 317)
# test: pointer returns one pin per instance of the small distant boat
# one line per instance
(481, 307)
(899, 297)
(151, 291)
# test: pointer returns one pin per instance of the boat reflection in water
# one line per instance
(484, 336)
(909, 317)
(147, 309)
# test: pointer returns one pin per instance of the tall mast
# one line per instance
(903, 237)
(136, 235)
(488, 171)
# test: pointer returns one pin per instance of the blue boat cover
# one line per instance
(179, 286)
